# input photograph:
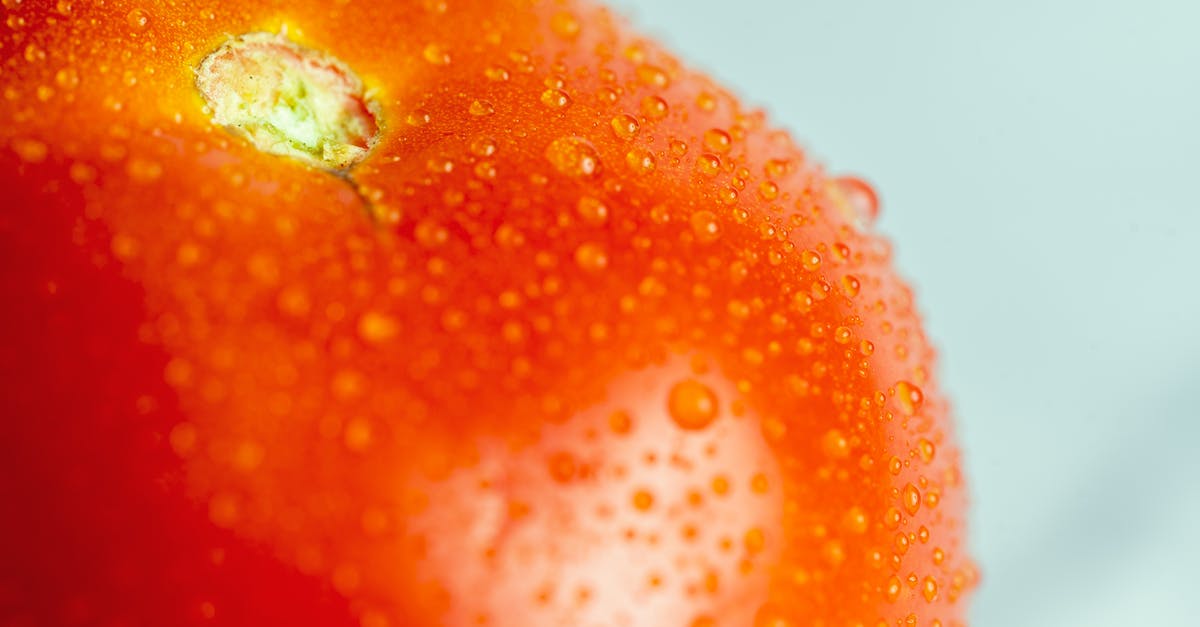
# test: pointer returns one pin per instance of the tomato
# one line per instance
(406, 313)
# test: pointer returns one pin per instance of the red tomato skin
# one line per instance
(241, 390)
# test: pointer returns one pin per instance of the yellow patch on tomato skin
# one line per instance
(289, 100)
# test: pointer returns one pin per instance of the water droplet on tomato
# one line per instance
(125, 247)
(357, 435)
(909, 397)
(851, 285)
(67, 78)
(620, 422)
(35, 53)
(892, 518)
(496, 74)
(30, 150)
(224, 510)
(835, 445)
(754, 540)
(481, 108)
(692, 405)
(624, 126)
(482, 146)
(705, 226)
(855, 520)
(708, 164)
(574, 157)
(418, 117)
(641, 161)
(717, 140)
(653, 76)
(777, 168)
(565, 25)
(929, 589)
(893, 588)
(555, 98)
(562, 467)
(592, 211)
(810, 260)
(768, 190)
(591, 257)
(138, 19)
(926, 450)
(436, 55)
(939, 556)
(654, 108)
(375, 327)
(911, 498)
(860, 200)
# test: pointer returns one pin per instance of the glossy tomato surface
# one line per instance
(579, 340)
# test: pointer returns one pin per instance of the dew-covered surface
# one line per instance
(1035, 168)
(581, 341)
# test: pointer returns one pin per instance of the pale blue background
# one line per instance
(1039, 164)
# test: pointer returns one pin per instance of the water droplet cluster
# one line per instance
(581, 335)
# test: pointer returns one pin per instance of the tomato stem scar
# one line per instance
(289, 100)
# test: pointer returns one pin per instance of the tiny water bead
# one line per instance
(856, 520)
(717, 141)
(624, 126)
(565, 25)
(497, 74)
(851, 286)
(911, 497)
(859, 200)
(592, 211)
(30, 150)
(555, 98)
(929, 589)
(768, 190)
(481, 108)
(692, 405)
(574, 157)
(418, 118)
(835, 445)
(435, 54)
(138, 19)
(777, 168)
(705, 226)
(67, 78)
(654, 107)
(653, 76)
(909, 397)
(562, 467)
(377, 328)
(708, 164)
(640, 161)
(620, 422)
(811, 260)
(591, 257)
(926, 450)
